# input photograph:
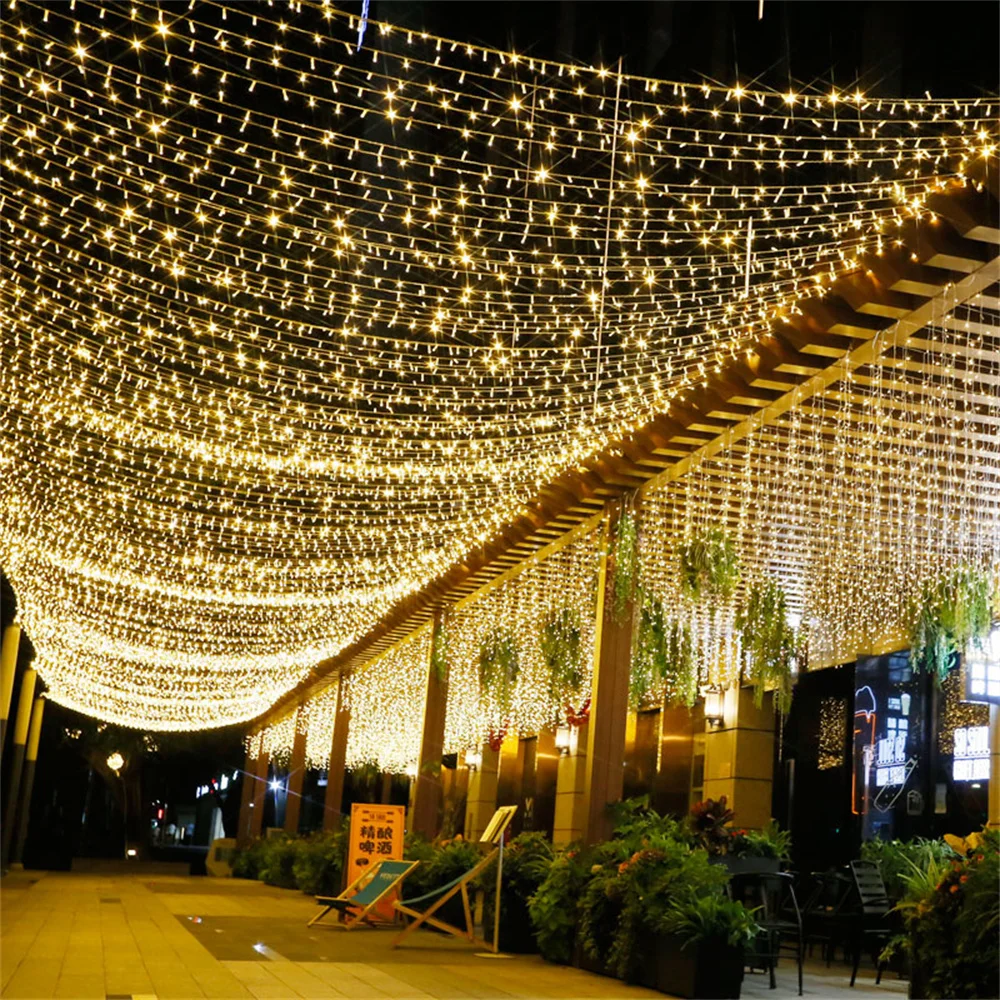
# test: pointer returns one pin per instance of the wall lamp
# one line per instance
(473, 759)
(715, 706)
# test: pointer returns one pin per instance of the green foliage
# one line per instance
(562, 649)
(553, 907)
(664, 651)
(771, 842)
(707, 821)
(900, 860)
(637, 825)
(768, 641)
(439, 652)
(277, 863)
(318, 865)
(709, 564)
(626, 556)
(950, 613)
(246, 861)
(440, 865)
(711, 920)
(526, 863)
(499, 665)
(625, 904)
(951, 918)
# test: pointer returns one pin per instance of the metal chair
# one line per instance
(825, 913)
(871, 923)
(772, 895)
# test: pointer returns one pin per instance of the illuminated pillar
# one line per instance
(31, 756)
(8, 667)
(481, 802)
(17, 762)
(338, 754)
(609, 698)
(993, 814)
(259, 793)
(425, 816)
(739, 758)
(246, 792)
(296, 774)
(571, 799)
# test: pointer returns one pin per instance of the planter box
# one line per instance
(582, 960)
(711, 971)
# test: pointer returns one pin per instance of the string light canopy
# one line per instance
(292, 326)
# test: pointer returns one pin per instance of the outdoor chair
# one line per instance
(444, 893)
(772, 896)
(871, 923)
(358, 900)
(825, 912)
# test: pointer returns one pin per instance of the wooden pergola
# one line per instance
(935, 267)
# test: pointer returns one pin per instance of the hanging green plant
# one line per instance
(499, 665)
(952, 612)
(562, 648)
(626, 555)
(664, 652)
(768, 642)
(439, 652)
(709, 564)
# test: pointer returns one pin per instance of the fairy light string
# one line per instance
(290, 328)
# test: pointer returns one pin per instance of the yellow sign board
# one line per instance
(376, 835)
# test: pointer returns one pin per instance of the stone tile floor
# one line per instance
(114, 932)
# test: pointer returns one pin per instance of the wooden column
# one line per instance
(8, 668)
(24, 709)
(739, 758)
(259, 792)
(246, 792)
(296, 774)
(425, 817)
(609, 697)
(338, 754)
(31, 756)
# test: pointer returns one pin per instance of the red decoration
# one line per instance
(496, 738)
(575, 718)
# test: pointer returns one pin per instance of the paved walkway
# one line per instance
(146, 932)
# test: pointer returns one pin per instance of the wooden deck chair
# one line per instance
(445, 892)
(356, 903)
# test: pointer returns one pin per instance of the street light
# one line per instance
(115, 761)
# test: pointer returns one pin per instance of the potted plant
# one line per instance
(700, 948)
(758, 850)
(709, 565)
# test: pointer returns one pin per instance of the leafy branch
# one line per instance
(499, 665)
(768, 641)
(709, 564)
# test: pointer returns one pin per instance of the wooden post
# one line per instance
(246, 792)
(425, 817)
(8, 668)
(609, 697)
(338, 754)
(296, 774)
(17, 762)
(31, 756)
(259, 792)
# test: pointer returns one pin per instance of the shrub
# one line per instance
(951, 917)
(771, 842)
(712, 920)
(277, 862)
(554, 906)
(443, 863)
(246, 861)
(318, 865)
(526, 863)
(899, 859)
